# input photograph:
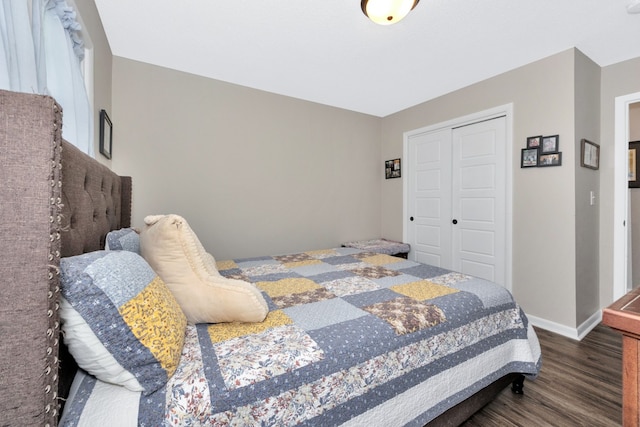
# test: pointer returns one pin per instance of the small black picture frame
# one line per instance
(392, 169)
(550, 144)
(106, 135)
(534, 141)
(550, 159)
(529, 158)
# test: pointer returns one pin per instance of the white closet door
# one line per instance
(429, 197)
(478, 194)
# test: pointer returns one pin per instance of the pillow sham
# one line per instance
(174, 251)
(119, 320)
(125, 239)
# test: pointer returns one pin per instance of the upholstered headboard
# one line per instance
(94, 201)
(56, 201)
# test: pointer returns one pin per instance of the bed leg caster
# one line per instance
(517, 387)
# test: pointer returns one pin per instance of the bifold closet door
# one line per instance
(456, 203)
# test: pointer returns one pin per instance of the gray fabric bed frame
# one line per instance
(58, 202)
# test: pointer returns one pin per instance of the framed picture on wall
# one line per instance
(534, 141)
(529, 158)
(550, 159)
(550, 144)
(634, 178)
(589, 154)
(106, 135)
(392, 169)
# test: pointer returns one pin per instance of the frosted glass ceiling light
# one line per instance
(387, 12)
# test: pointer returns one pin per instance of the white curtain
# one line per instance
(17, 58)
(43, 55)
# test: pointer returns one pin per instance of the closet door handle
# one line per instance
(455, 221)
(411, 218)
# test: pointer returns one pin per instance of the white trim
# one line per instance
(502, 110)
(587, 326)
(574, 333)
(621, 193)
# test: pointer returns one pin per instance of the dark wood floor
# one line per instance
(579, 385)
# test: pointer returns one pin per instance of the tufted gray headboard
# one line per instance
(94, 201)
(56, 201)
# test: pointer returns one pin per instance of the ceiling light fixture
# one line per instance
(387, 12)
(633, 6)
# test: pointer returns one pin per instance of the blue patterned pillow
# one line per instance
(119, 320)
(125, 239)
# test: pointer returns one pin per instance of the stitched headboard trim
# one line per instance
(53, 331)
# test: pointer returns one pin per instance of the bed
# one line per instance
(350, 337)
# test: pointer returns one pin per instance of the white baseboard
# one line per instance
(574, 333)
(586, 326)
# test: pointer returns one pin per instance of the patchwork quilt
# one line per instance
(352, 337)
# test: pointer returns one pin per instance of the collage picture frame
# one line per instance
(541, 151)
(392, 169)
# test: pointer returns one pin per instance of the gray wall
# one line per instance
(544, 201)
(587, 120)
(254, 173)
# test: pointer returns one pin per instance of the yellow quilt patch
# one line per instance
(292, 285)
(302, 263)
(423, 290)
(322, 252)
(381, 259)
(223, 331)
(156, 320)
(226, 265)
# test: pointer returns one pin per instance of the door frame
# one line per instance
(492, 113)
(621, 264)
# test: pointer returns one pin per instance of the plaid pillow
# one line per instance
(119, 320)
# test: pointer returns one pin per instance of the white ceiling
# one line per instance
(328, 52)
